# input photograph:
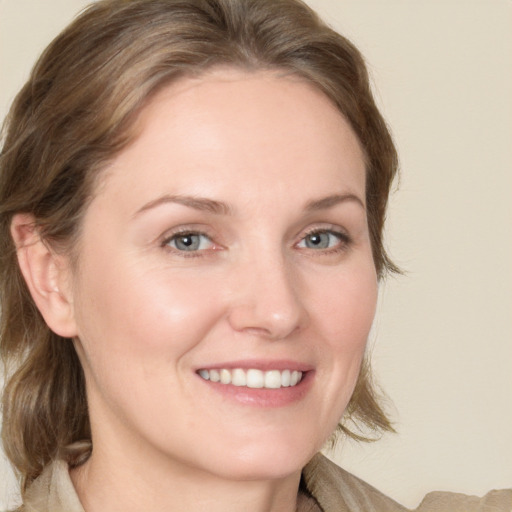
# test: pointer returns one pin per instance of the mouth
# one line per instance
(253, 378)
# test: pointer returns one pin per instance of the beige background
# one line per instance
(442, 337)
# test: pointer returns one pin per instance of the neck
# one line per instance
(113, 481)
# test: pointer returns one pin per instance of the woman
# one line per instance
(192, 202)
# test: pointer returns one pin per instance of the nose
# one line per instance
(266, 299)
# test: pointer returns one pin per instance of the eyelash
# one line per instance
(344, 241)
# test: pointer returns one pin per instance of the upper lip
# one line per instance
(259, 364)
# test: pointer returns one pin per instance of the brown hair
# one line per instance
(76, 112)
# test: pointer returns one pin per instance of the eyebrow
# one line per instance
(220, 208)
(330, 201)
(197, 203)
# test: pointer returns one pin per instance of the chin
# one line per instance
(268, 460)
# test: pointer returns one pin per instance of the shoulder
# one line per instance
(493, 501)
(336, 490)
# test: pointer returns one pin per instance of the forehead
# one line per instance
(240, 128)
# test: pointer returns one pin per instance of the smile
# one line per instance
(253, 378)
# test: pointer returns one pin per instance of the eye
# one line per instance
(322, 239)
(189, 242)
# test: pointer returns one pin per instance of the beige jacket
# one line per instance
(327, 488)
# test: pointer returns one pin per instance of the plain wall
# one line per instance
(442, 340)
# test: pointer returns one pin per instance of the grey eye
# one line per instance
(189, 242)
(320, 240)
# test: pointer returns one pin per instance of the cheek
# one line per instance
(341, 307)
(344, 307)
(343, 314)
(149, 317)
(138, 333)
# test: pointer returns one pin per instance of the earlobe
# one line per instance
(47, 275)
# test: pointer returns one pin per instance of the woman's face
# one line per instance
(229, 241)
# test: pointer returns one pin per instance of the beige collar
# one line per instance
(326, 488)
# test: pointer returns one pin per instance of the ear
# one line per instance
(47, 274)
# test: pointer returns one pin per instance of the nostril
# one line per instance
(261, 323)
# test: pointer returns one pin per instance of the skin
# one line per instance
(146, 315)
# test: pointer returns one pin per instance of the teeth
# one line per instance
(238, 378)
(253, 378)
(285, 378)
(273, 379)
(225, 376)
(205, 374)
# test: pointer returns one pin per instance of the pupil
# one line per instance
(189, 242)
(318, 240)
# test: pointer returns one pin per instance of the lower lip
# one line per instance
(263, 397)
